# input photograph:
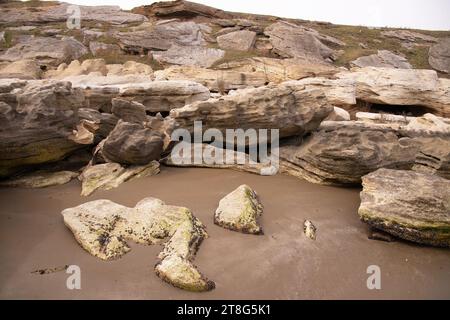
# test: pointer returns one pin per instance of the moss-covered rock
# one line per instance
(103, 228)
(40, 179)
(239, 211)
(410, 205)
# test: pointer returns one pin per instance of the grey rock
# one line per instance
(383, 59)
(439, 56)
(242, 40)
(190, 56)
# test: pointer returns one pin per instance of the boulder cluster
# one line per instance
(100, 103)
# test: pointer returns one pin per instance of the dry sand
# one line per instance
(282, 264)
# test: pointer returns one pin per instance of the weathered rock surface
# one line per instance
(292, 110)
(132, 143)
(107, 176)
(242, 40)
(21, 69)
(185, 154)
(98, 48)
(439, 55)
(128, 111)
(214, 80)
(292, 41)
(180, 8)
(129, 68)
(77, 68)
(103, 228)
(409, 205)
(190, 56)
(385, 86)
(279, 70)
(407, 35)
(37, 120)
(341, 152)
(59, 13)
(45, 50)
(338, 114)
(239, 211)
(161, 36)
(383, 59)
(40, 179)
(156, 96)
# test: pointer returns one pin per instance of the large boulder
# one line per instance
(383, 59)
(239, 211)
(21, 69)
(103, 228)
(133, 144)
(293, 41)
(242, 40)
(45, 50)
(37, 120)
(410, 205)
(161, 36)
(292, 110)
(40, 179)
(180, 8)
(341, 152)
(439, 56)
(409, 36)
(190, 56)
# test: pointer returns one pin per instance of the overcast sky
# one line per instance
(418, 14)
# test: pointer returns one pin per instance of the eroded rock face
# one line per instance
(103, 228)
(293, 110)
(242, 40)
(383, 59)
(292, 41)
(128, 111)
(21, 69)
(156, 96)
(45, 50)
(133, 143)
(341, 152)
(239, 211)
(37, 120)
(214, 80)
(189, 56)
(407, 35)
(409, 205)
(107, 176)
(439, 55)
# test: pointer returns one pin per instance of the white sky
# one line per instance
(418, 14)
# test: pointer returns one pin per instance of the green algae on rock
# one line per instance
(107, 176)
(239, 211)
(410, 205)
(103, 228)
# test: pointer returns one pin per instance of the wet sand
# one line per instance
(282, 264)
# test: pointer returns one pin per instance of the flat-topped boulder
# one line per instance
(103, 228)
(407, 204)
(189, 56)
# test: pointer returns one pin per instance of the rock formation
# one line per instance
(383, 59)
(239, 211)
(440, 56)
(341, 152)
(409, 205)
(294, 111)
(103, 228)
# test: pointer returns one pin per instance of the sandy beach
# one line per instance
(281, 264)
